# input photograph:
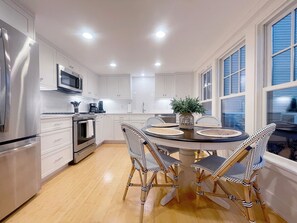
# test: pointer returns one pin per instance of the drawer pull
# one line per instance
(57, 140)
(57, 160)
(57, 124)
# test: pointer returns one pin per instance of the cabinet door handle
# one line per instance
(41, 79)
(58, 159)
(57, 140)
(57, 124)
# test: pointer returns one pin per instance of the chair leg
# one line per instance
(129, 181)
(199, 175)
(262, 203)
(143, 196)
(248, 204)
(175, 177)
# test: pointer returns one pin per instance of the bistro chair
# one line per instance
(208, 120)
(234, 171)
(148, 161)
(166, 149)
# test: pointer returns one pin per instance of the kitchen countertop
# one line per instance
(61, 116)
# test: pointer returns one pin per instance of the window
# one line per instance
(233, 81)
(281, 84)
(234, 72)
(206, 85)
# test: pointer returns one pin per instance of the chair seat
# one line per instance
(212, 163)
(152, 165)
(168, 149)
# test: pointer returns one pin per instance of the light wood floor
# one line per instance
(91, 192)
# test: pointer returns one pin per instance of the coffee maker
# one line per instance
(100, 107)
(93, 108)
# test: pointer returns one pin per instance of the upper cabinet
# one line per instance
(17, 17)
(67, 62)
(177, 85)
(118, 87)
(90, 84)
(164, 86)
(102, 87)
(47, 68)
(184, 85)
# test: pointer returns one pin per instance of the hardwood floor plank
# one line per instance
(91, 192)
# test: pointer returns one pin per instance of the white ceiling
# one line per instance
(124, 31)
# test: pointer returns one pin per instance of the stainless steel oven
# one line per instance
(84, 134)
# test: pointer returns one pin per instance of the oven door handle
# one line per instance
(84, 121)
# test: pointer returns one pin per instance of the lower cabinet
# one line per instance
(99, 129)
(56, 144)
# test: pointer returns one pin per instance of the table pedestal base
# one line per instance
(187, 180)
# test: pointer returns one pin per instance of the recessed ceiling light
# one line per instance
(113, 64)
(142, 74)
(160, 34)
(157, 64)
(87, 35)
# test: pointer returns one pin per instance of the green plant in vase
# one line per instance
(186, 107)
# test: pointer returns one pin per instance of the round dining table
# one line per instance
(188, 141)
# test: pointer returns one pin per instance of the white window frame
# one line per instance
(287, 164)
(202, 83)
(221, 77)
(268, 39)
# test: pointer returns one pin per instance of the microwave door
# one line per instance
(4, 81)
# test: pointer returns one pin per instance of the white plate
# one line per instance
(165, 131)
(222, 133)
(164, 125)
(204, 125)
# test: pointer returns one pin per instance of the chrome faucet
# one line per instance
(143, 110)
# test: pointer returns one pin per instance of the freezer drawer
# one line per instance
(20, 173)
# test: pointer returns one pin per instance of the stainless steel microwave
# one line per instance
(68, 81)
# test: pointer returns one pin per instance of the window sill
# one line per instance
(284, 166)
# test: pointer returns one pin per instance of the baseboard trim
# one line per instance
(114, 142)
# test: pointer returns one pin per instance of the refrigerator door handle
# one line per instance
(19, 148)
(5, 71)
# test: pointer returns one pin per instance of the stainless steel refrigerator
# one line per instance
(20, 171)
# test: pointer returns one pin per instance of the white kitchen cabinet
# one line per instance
(108, 133)
(139, 120)
(16, 16)
(90, 84)
(164, 86)
(47, 66)
(67, 62)
(99, 129)
(102, 87)
(117, 121)
(184, 85)
(119, 87)
(56, 144)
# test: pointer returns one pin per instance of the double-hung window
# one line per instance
(206, 85)
(233, 87)
(281, 86)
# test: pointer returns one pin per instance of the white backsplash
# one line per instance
(143, 92)
(55, 101)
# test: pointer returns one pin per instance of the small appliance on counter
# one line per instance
(93, 108)
(75, 105)
(100, 107)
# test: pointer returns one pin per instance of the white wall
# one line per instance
(279, 177)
